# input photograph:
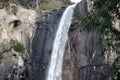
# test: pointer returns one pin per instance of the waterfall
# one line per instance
(55, 66)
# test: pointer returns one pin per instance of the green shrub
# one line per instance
(14, 1)
(13, 42)
(17, 46)
(48, 6)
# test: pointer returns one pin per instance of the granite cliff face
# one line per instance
(19, 28)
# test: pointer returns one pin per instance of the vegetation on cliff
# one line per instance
(50, 5)
(101, 18)
(17, 46)
(13, 44)
(45, 4)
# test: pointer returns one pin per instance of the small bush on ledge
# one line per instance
(48, 6)
(17, 46)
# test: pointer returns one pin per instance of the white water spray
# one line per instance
(55, 67)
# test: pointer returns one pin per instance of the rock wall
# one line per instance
(20, 27)
(83, 59)
(43, 43)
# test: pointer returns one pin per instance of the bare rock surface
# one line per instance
(21, 27)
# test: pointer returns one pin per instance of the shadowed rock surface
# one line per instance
(43, 43)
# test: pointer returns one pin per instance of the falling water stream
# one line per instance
(55, 66)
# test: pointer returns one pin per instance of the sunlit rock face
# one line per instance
(20, 27)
